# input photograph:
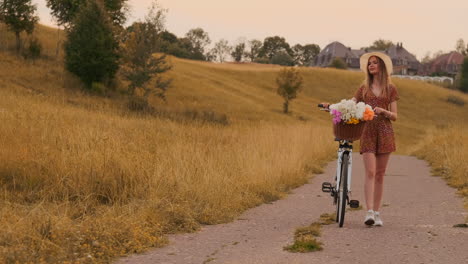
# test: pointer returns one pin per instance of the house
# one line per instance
(337, 50)
(404, 63)
(445, 64)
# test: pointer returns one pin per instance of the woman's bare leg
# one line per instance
(370, 167)
(381, 166)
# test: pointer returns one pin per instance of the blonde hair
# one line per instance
(385, 80)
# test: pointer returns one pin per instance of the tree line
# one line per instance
(274, 50)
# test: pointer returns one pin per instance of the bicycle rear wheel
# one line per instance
(342, 191)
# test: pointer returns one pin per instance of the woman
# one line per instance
(377, 139)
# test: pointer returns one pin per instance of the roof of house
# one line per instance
(358, 53)
(398, 52)
(337, 49)
(453, 57)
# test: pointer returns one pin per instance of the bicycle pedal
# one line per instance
(326, 187)
(354, 203)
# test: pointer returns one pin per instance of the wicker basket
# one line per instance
(348, 132)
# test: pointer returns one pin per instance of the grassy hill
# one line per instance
(248, 92)
(82, 176)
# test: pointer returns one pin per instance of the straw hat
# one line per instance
(364, 60)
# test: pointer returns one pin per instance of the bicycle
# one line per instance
(341, 189)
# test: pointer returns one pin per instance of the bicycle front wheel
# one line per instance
(342, 191)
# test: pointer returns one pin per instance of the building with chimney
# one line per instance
(404, 63)
(448, 64)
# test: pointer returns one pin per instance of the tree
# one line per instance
(310, 52)
(427, 58)
(221, 50)
(143, 68)
(91, 50)
(381, 44)
(262, 60)
(339, 64)
(298, 54)
(239, 52)
(464, 76)
(155, 20)
(167, 40)
(182, 49)
(304, 55)
(199, 39)
(255, 47)
(282, 58)
(273, 45)
(66, 10)
(289, 81)
(460, 47)
(142, 65)
(437, 54)
(19, 16)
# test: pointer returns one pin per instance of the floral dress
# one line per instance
(378, 136)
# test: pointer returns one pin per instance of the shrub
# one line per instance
(34, 49)
(455, 100)
(338, 63)
(282, 58)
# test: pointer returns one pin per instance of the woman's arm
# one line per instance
(392, 114)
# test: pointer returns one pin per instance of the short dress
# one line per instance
(378, 136)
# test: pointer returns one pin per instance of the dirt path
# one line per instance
(418, 216)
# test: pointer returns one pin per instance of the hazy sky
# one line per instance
(422, 25)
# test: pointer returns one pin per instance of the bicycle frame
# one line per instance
(341, 194)
(344, 147)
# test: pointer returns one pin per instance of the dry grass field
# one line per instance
(446, 151)
(83, 179)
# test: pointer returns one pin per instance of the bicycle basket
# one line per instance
(349, 132)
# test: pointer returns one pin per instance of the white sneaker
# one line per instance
(378, 220)
(369, 218)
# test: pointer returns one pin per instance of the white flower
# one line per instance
(349, 109)
(361, 107)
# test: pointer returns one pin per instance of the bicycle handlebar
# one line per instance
(323, 108)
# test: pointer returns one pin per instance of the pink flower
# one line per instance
(336, 116)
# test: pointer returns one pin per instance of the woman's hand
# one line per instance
(325, 105)
(388, 114)
(379, 110)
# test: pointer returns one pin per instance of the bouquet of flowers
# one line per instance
(350, 112)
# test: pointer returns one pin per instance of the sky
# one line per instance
(421, 25)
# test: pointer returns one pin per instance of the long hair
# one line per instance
(385, 80)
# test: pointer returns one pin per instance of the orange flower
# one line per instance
(368, 114)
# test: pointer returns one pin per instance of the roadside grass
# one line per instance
(445, 150)
(305, 238)
(327, 218)
(80, 184)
